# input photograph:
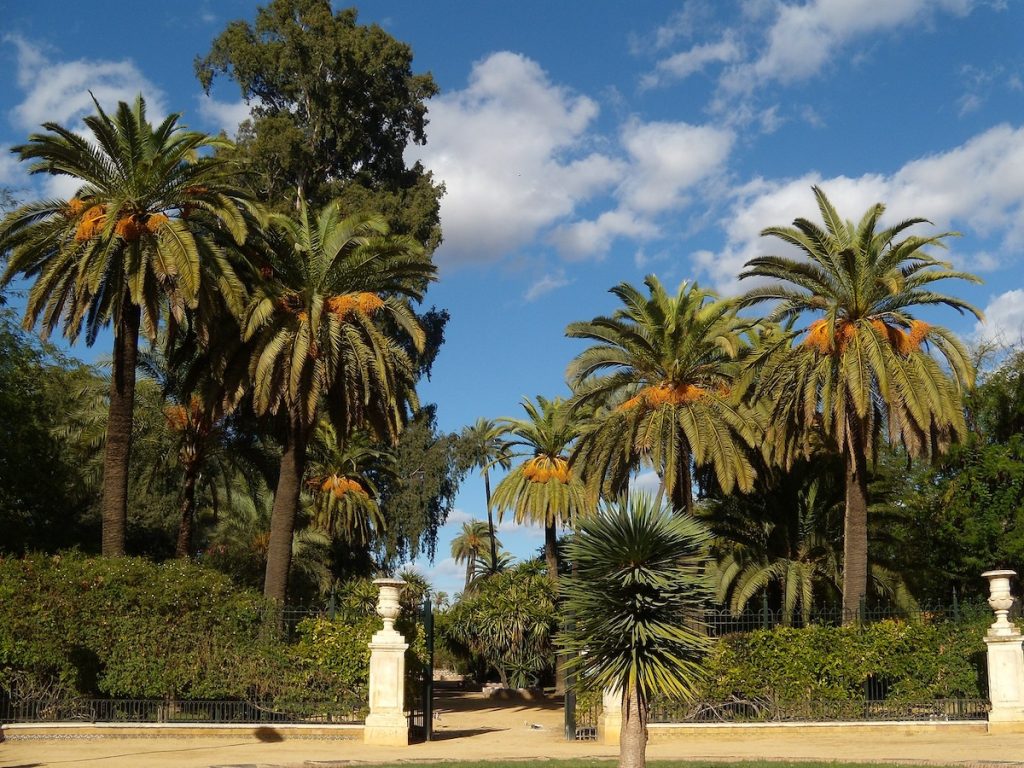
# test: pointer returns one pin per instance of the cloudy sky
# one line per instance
(587, 143)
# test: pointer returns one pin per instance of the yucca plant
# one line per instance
(865, 367)
(636, 600)
(138, 236)
(330, 327)
(664, 370)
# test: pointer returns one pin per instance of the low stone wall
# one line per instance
(255, 732)
(671, 731)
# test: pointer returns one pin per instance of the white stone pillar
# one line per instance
(609, 727)
(1005, 659)
(387, 724)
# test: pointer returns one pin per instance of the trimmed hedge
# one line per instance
(909, 661)
(129, 628)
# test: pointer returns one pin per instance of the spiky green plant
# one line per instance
(137, 237)
(636, 599)
(865, 367)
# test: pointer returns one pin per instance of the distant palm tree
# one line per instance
(344, 497)
(664, 368)
(485, 445)
(636, 599)
(864, 367)
(133, 240)
(326, 328)
(468, 545)
(544, 489)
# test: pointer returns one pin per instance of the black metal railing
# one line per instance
(770, 710)
(587, 713)
(721, 621)
(163, 711)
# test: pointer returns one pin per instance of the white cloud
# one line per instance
(978, 186)
(58, 91)
(1004, 319)
(511, 149)
(10, 172)
(459, 516)
(804, 36)
(645, 482)
(225, 115)
(666, 162)
(681, 65)
(545, 284)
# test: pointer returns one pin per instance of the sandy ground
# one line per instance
(469, 727)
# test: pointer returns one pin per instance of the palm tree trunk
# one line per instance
(855, 533)
(490, 519)
(282, 517)
(469, 572)
(551, 549)
(118, 448)
(682, 492)
(188, 512)
(633, 739)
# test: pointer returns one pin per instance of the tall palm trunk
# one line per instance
(118, 447)
(188, 511)
(682, 493)
(633, 739)
(490, 519)
(855, 532)
(282, 517)
(551, 559)
(470, 562)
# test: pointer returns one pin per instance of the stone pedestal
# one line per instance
(387, 724)
(1005, 659)
(609, 727)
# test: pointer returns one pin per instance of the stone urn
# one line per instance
(1000, 600)
(388, 606)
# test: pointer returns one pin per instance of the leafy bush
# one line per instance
(908, 661)
(126, 627)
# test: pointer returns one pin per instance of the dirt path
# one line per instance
(469, 727)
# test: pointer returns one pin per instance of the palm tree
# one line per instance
(485, 446)
(637, 597)
(780, 536)
(339, 477)
(134, 238)
(543, 489)
(327, 328)
(864, 367)
(468, 546)
(664, 369)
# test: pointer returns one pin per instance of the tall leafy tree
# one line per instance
(334, 105)
(664, 368)
(864, 368)
(469, 545)
(484, 447)
(637, 599)
(544, 488)
(324, 329)
(135, 237)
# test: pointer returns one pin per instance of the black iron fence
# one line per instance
(164, 711)
(721, 621)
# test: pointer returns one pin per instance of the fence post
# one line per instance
(610, 723)
(387, 723)
(1005, 659)
(764, 611)
(428, 673)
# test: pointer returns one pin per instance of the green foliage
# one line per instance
(508, 621)
(334, 106)
(128, 627)
(635, 598)
(43, 498)
(915, 661)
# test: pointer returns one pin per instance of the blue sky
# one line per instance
(587, 143)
